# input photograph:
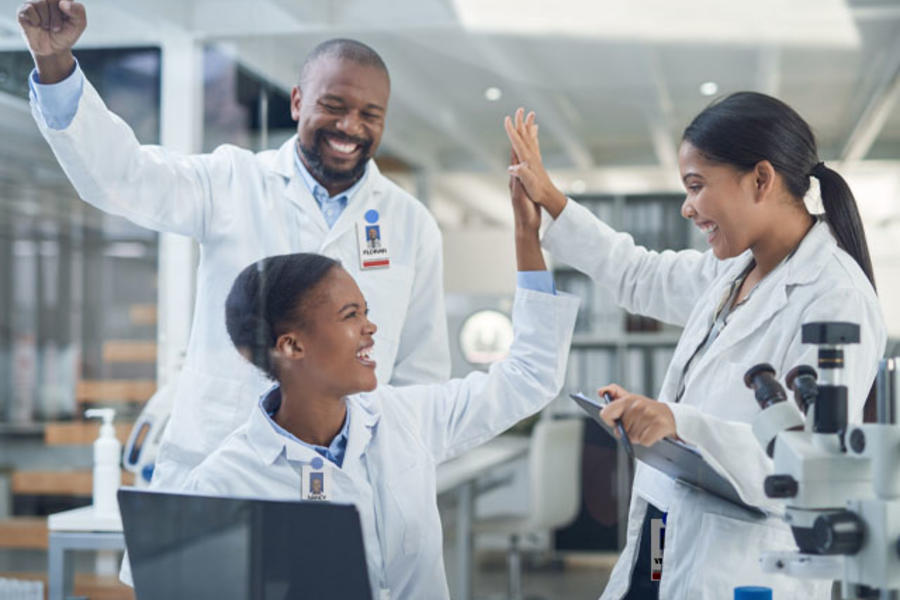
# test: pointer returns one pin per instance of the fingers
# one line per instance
(614, 410)
(646, 421)
(73, 11)
(43, 12)
(28, 16)
(616, 391)
(56, 16)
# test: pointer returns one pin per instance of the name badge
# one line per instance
(373, 245)
(657, 544)
(315, 480)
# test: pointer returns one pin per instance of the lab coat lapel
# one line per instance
(363, 422)
(294, 187)
(772, 294)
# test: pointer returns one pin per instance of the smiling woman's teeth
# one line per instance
(364, 354)
(707, 229)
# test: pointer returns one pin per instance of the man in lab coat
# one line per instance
(317, 193)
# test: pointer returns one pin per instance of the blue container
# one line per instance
(751, 592)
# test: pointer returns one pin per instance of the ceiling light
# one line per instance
(817, 23)
(578, 186)
(709, 88)
(493, 94)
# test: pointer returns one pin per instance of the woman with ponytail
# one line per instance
(746, 162)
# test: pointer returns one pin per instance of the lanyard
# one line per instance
(720, 318)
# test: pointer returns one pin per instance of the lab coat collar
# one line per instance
(363, 198)
(269, 444)
(364, 417)
(802, 268)
(264, 440)
(812, 255)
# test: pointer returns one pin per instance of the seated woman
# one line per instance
(328, 431)
(746, 162)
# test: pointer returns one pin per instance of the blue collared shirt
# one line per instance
(331, 206)
(270, 402)
(58, 101)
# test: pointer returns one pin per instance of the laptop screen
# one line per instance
(185, 546)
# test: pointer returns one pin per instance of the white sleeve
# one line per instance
(423, 353)
(732, 448)
(111, 170)
(462, 413)
(663, 285)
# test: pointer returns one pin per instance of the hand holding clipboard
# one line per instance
(674, 458)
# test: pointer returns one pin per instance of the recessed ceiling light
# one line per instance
(493, 94)
(709, 88)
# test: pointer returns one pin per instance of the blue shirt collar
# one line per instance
(316, 189)
(270, 402)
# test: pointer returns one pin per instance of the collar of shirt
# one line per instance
(269, 404)
(320, 193)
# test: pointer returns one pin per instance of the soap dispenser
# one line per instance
(107, 456)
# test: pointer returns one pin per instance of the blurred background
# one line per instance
(94, 311)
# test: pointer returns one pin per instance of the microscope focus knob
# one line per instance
(780, 486)
(839, 533)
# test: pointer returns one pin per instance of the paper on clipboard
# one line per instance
(676, 459)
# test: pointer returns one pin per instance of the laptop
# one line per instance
(202, 547)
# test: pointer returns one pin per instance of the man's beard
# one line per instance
(328, 176)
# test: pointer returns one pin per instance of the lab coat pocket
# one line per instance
(726, 553)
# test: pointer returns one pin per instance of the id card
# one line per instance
(373, 245)
(315, 480)
(657, 544)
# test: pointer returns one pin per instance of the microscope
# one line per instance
(839, 483)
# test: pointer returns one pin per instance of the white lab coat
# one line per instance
(241, 207)
(712, 546)
(397, 436)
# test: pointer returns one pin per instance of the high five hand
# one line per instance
(527, 214)
(522, 134)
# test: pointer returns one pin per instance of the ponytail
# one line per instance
(842, 216)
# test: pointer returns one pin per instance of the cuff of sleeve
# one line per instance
(688, 421)
(538, 281)
(58, 102)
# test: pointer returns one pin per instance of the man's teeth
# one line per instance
(707, 229)
(343, 147)
(364, 354)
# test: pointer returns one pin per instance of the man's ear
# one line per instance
(764, 179)
(296, 100)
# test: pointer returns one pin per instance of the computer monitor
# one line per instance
(202, 547)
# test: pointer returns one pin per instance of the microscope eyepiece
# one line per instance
(761, 379)
(802, 381)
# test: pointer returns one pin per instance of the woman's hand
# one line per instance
(522, 134)
(646, 420)
(527, 214)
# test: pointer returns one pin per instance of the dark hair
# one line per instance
(345, 49)
(747, 127)
(265, 300)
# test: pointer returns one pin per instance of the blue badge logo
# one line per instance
(372, 216)
(317, 463)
